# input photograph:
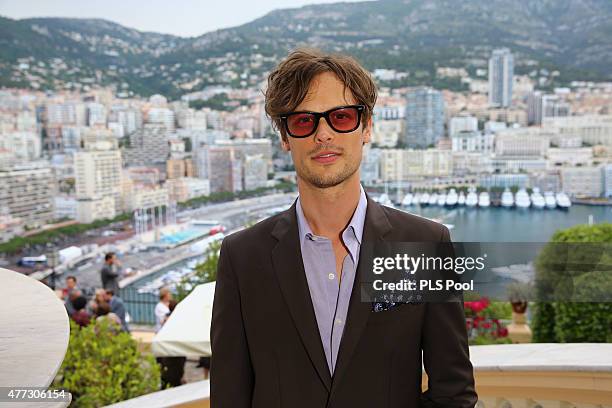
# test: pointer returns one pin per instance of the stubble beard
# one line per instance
(327, 179)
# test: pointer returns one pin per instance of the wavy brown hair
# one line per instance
(288, 83)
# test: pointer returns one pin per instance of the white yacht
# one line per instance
(549, 198)
(451, 198)
(433, 199)
(416, 200)
(507, 198)
(461, 198)
(408, 199)
(563, 201)
(472, 198)
(442, 198)
(484, 200)
(424, 199)
(384, 200)
(537, 199)
(522, 199)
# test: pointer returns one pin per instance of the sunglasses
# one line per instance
(343, 119)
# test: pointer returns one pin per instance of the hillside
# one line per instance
(415, 36)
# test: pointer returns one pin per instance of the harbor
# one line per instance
(521, 199)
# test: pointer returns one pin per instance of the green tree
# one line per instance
(204, 272)
(103, 366)
(575, 265)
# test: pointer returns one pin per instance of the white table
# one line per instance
(34, 334)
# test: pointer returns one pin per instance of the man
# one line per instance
(172, 368)
(80, 315)
(117, 307)
(71, 286)
(110, 272)
(289, 328)
(162, 309)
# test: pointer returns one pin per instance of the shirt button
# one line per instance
(338, 321)
(331, 276)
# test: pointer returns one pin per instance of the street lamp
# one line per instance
(52, 261)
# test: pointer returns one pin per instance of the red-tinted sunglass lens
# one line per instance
(300, 124)
(345, 119)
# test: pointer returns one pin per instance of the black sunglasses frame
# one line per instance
(318, 115)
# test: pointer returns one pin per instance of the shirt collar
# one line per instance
(357, 221)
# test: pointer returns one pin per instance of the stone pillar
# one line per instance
(519, 331)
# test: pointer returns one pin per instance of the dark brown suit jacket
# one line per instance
(266, 348)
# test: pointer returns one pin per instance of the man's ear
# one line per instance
(285, 145)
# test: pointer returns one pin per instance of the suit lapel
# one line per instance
(375, 227)
(289, 269)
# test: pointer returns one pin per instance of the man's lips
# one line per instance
(327, 153)
(326, 157)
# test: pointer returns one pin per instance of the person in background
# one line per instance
(111, 272)
(103, 312)
(162, 309)
(117, 307)
(69, 303)
(71, 284)
(204, 364)
(98, 299)
(172, 368)
(102, 309)
(80, 315)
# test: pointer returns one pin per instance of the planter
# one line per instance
(519, 331)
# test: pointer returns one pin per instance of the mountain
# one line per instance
(415, 36)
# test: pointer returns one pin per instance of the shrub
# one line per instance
(578, 272)
(543, 323)
(103, 366)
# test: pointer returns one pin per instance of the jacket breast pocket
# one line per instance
(403, 312)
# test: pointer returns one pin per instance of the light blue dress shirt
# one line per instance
(330, 295)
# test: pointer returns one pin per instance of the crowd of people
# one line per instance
(105, 303)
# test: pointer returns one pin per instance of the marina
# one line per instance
(521, 199)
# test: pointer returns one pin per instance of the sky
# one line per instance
(178, 17)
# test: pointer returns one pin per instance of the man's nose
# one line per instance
(324, 133)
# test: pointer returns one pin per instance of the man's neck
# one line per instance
(329, 210)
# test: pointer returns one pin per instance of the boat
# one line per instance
(484, 200)
(461, 198)
(563, 201)
(416, 200)
(407, 200)
(451, 198)
(472, 198)
(424, 200)
(442, 198)
(537, 199)
(385, 200)
(522, 199)
(549, 199)
(433, 199)
(507, 198)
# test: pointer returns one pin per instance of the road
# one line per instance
(232, 215)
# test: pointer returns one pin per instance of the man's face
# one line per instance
(70, 283)
(325, 92)
(111, 260)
